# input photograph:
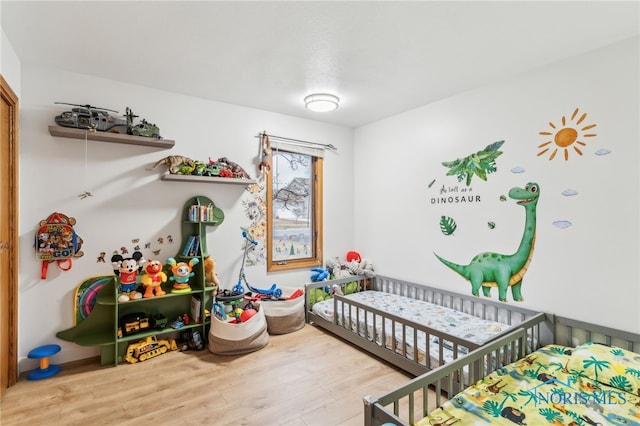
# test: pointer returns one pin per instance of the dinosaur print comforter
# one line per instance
(591, 384)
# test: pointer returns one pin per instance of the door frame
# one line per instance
(11, 99)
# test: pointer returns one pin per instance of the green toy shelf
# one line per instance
(102, 326)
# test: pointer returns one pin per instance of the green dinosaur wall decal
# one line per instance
(488, 269)
(480, 164)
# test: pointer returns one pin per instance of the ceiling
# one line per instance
(380, 58)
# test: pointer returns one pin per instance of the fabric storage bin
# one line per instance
(284, 316)
(227, 338)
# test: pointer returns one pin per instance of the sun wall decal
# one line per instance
(568, 136)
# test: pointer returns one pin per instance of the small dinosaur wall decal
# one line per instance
(488, 269)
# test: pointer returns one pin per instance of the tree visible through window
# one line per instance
(294, 205)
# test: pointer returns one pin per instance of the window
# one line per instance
(294, 206)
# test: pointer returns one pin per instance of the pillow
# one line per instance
(609, 365)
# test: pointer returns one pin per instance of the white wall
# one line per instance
(131, 202)
(588, 271)
(9, 64)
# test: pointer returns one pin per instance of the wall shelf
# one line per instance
(206, 179)
(73, 133)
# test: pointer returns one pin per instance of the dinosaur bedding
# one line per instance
(591, 384)
(450, 321)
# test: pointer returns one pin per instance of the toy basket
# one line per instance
(284, 316)
(227, 338)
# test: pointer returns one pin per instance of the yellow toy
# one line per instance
(149, 347)
(153, 278)
(182, 271)
(210, 272)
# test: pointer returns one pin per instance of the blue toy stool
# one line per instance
(45, 370)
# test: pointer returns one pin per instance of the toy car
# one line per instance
(177, 324)
(144, 129)
(149, 348)
(159, 321)
(134, 323)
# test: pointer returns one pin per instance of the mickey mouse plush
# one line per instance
(127, 269)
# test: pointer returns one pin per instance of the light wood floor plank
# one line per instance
(306, 378)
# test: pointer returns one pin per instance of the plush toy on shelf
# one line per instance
(153, 278)
(127, 269)
(182, 272)
(210, 272)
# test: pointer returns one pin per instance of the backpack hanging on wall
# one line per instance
(57, 241)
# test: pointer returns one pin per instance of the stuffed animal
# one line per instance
(341, 269)
(182, 271)
(337, 269)
(363, 267)
(127, 269)
(153, 278)
(318, 295)
(319, 274)
(265, 158)
(210, 272)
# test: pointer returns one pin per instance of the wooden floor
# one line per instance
(308, 377)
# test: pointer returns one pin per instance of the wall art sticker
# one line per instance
(566, 136)
(447, 225)
(562, 224)
(125, 250)
(480, 164)
(488, 269)
(454, 195)
(255, 209)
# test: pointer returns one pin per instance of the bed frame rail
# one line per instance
(416, 399)
(408, 358)
(383, 342)
(570, 332)
(410, 403)
(480, 307)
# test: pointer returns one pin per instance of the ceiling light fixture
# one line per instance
(321, 102)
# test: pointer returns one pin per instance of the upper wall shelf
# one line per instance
(210, 179)
(70, 132)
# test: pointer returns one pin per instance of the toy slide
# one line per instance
(85, 296)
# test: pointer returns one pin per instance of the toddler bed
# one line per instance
(589, 375)
(412, 326)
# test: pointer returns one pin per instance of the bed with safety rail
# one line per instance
(586, 374)
(412, 326)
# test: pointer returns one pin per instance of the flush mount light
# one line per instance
(321, 102)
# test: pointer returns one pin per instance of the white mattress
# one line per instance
(450, 321)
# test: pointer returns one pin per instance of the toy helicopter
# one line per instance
(90, 117)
